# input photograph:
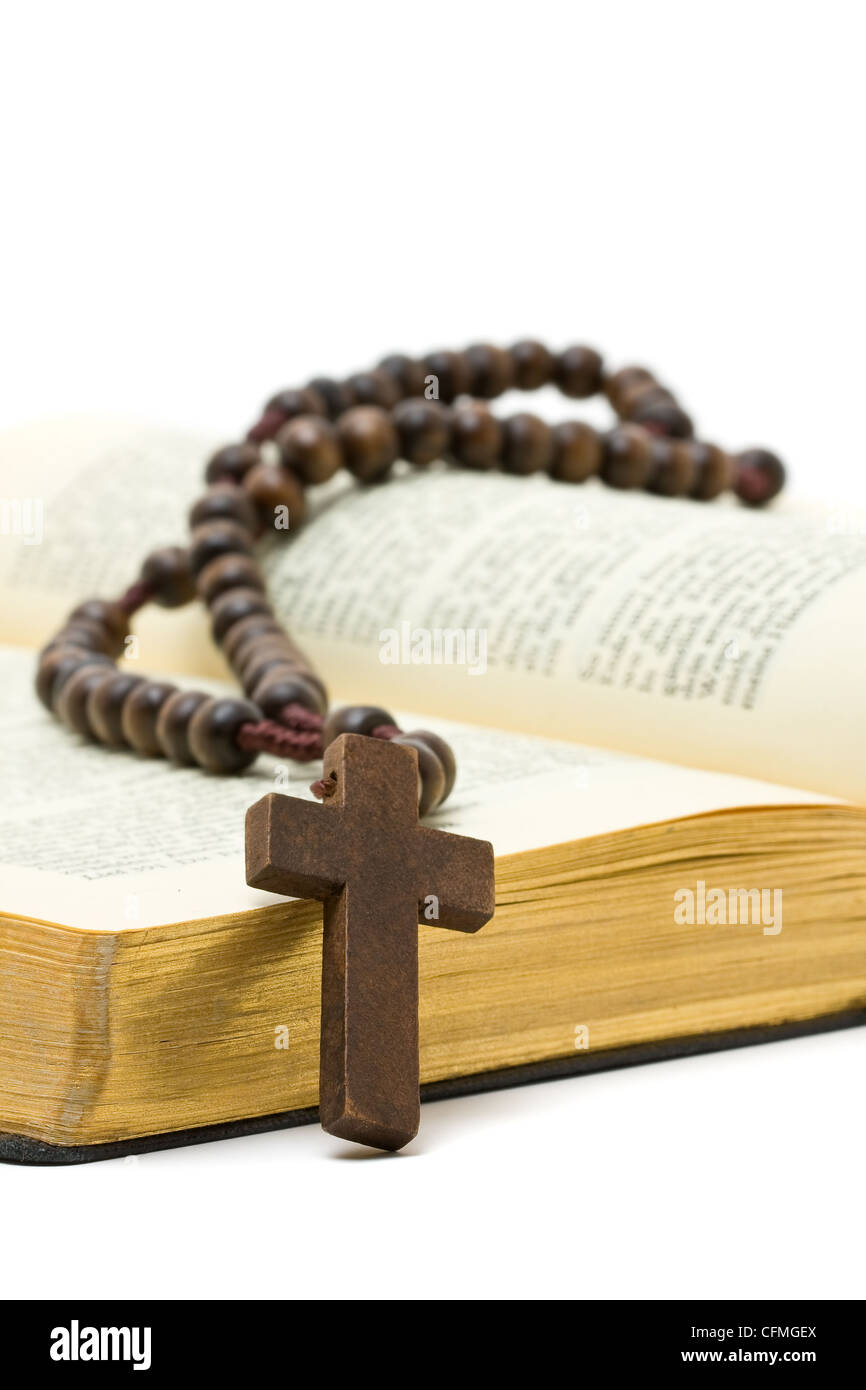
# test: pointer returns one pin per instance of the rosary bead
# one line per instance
(626, 457)
(247, 630)
(231, 463)
(621, 382)
(577, 451)
(661, 416)
(444, 753)
(231, 607)
(168, 572)
(226, 573)
(431, 773)
(452, 371)
(369, 441)
(672, 468)
(70, 705)
(172, 724)
(256, 654)
(375, 388)
(476, 435)
(759, 477)
(527, 444)
(303, 401)
(409, 374)
(273, 488)
(285, 686)
(260, 661)
(714, 471)
(216, 538)
(224, 502)
(309, 447)
(213, 730)
(424, 429)
(57, 665)
(337, 395)
(105, 707)
(84, 633)
(533, 365)
(493, 370)
(108, 615)
(578, 372)
(140, 713)
(353, 719)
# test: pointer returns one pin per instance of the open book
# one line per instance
(656, 710)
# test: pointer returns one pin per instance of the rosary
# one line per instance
(363, 852)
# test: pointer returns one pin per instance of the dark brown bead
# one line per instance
(476, 435)
(452, 371)
(375, 388)
(216, 538)
(579, 372)
(264, 649)
(285, 686)
(213, 731)
(108, 615)
(83, 633)
(305, 400)
(533, 365)
(105, 708)
(354, 719)
(260, 660)
(444, 753)
(231, 463)
(172, 724)
(642, 394)
(759, 477)
(408, 373)
(168, 574)
(424, 428)
(493, 370)
(672, 468)
(619, 383)
(225, 502)
(140, 713)
(626, 457)
(71, 703)
(278, 495)
(369, 442)
(309, 447)
(56, 667)
(337, 395)
(527, 444)
(662, 416)
(577, 451)
(230, 608)
(431, 773)
(246, 631)
(714, 471)
(229, 572)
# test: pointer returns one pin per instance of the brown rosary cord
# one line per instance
(418, 409)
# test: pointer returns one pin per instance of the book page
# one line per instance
(101, 839)
(707, 635)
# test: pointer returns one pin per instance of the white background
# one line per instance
(202, 203)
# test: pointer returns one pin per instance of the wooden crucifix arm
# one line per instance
(458, 873)
(294, 847)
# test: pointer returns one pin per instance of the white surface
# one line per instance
(206, 203)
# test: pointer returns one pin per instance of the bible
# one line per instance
(655, 708)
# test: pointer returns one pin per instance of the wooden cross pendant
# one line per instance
(378, 872)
